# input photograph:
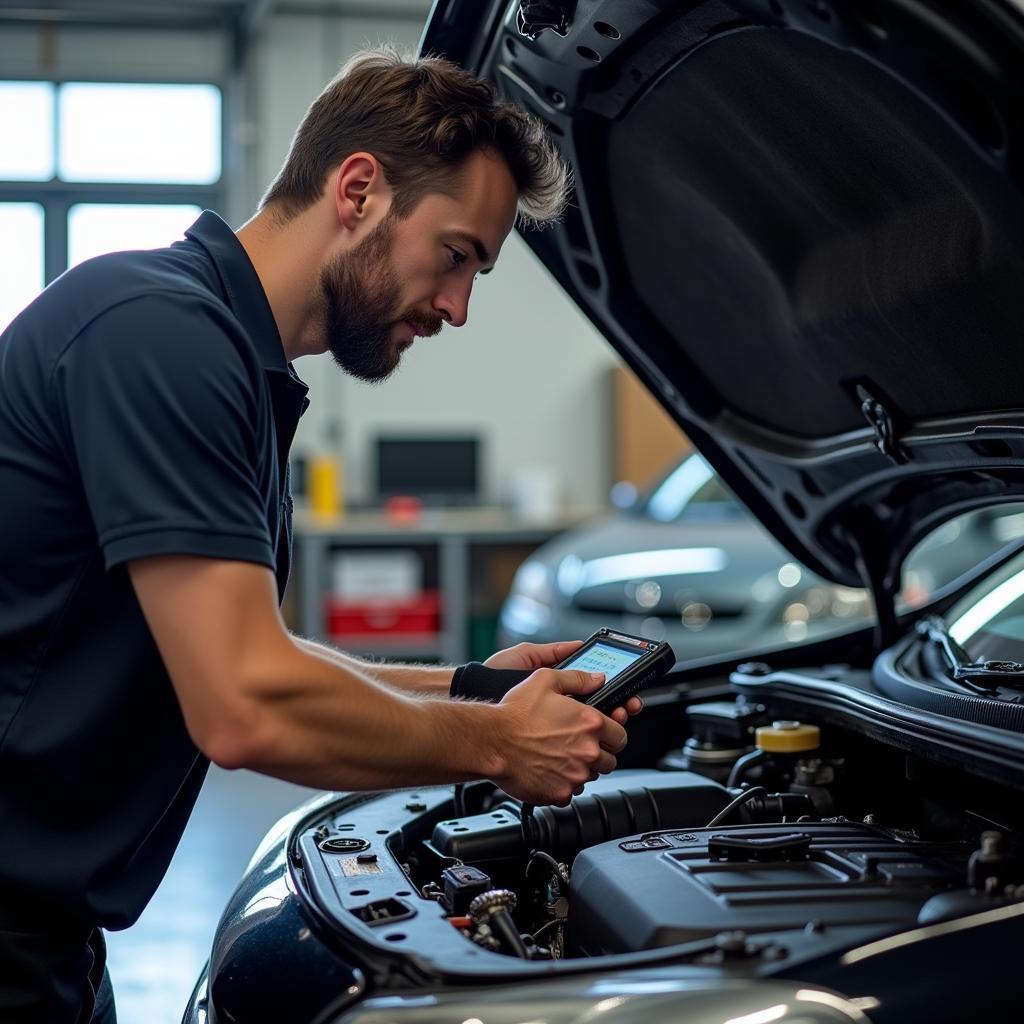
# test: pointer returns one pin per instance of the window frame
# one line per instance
(57, 196)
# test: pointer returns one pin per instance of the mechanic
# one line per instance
(147, 405)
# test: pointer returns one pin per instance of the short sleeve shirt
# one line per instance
(146, 408)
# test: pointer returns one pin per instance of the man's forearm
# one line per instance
(427, 679)
(322, 722)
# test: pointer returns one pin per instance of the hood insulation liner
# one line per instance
(784, 214)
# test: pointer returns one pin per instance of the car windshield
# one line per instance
(691, 491)
(989, 624)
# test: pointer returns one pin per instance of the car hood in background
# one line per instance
(801, 223)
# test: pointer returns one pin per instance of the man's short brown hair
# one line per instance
(421, 118)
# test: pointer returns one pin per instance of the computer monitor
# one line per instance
(438, 470)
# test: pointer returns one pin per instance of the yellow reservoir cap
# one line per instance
(787, 737)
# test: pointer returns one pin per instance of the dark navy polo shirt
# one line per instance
(146, 408)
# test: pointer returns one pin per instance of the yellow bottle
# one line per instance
(324, 486)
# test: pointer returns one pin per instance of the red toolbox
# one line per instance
(419, 615)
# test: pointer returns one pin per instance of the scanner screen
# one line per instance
(604, 658)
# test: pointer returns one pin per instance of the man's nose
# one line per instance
(453, 306)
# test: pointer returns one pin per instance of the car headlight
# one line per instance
(534, 580)
(820, 602)
(528, 608)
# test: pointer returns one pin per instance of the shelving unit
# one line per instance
(460, 537)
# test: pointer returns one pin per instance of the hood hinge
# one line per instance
(534, 16)
(883, 424)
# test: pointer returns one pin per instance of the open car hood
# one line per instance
(800, 222)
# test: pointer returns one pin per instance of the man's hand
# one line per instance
(534, 656)
(553, 745)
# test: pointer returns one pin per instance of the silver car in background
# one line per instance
(689, 564)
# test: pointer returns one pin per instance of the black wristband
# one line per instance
(482, 683)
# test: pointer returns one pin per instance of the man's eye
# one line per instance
(458, 258)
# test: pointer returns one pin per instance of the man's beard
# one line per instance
(361, 293)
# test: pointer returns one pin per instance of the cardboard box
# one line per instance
(647, 440)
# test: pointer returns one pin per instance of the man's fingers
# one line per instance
(604, 764)
(547, 655)
(612, 736)
(561, 650)
(633, 706)
(573, 682)
(534, 656)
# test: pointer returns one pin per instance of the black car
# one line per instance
(801, 223)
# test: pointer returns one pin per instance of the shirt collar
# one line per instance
(246, 297)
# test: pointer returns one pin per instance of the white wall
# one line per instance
(527, 373)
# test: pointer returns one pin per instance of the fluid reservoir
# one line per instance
(785, 737)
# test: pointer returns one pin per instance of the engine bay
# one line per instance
(758, 844)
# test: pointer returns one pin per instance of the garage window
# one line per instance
(26, 130)
(94, 167)
(21, 257)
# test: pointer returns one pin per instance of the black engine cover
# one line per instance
(763, 880)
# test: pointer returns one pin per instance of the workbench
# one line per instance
(456, 545)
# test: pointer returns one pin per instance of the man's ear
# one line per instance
(360, 190)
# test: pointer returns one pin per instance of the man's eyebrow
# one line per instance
(478, 247)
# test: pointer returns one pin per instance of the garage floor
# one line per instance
(154, 965)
